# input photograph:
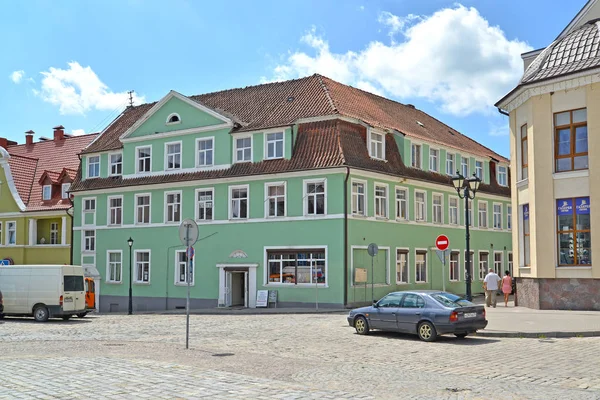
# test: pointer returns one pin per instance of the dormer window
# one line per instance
(65, 190)
(93, 167)
(243, 149)
(377, 145)
(46, 192)
(274, 143)
(502, 176)
(173, 119)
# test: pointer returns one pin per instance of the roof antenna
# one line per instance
(131, 92)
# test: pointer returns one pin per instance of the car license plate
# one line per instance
(470, 315)
(68, 299)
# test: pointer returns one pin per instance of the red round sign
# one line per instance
(442, 242)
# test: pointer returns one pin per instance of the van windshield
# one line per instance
(73, 283)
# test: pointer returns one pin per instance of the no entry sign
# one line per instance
(442, 242)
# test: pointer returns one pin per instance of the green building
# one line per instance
(289, 182)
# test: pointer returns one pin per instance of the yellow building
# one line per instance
(554, 117)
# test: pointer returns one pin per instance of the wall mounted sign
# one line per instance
(564, 207)
(582, 205)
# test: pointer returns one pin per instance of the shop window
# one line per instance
(574, 231)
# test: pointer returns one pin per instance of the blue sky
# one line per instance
(71, 62)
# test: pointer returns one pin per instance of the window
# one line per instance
(401, 266)
(181, 268)
(421, 267)
(483, 265)
(239, 202)
(510, 263)
(454, 271)
(497, 216)
(498, 263)
(464, 167)
(450, 164)
(433, 159)
(205, 152)
(274, 145)
(54, 233)
(11, 233)
(526, 238)
(173, 207)
(0, 231)
(116, 164)
(144, 158)
(358, 199)
(204, 204)
(438, 215)
(420, 206)
(89, 241)
(142, 266)
(142, 206)
(524, 152)
(115, 210)
(296, 267)
(65, 190)
(479, 169)
(416, 156)
(502, 175)
(574, 231)
(173, 151)
(89, 205)
(381, 208)
(46, 192)
(453, 211)
(401, 204)
(93, 169)
(413, 301)
(243, 149)
(315, 198)
(377, 147)
(173, 119)
(73, 283)
(115, 267)
(472, 261)
(276, 200)
(509, 217)
(571, 140)
(482, 214)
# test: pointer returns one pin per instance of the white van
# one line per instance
(42, 291)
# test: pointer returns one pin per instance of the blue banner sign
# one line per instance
(582, 205)
(526, 211)
(564, 207)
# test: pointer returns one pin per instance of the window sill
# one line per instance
(571, 174)
(402, 283)
(142, 283)
(273, 158)
(358, 215)
(237, 219)
(141, 223)
(574, 267)
(380, 218)
(241, 161)
(114, 225)
(205, 166)
(173, 123)
(300, 285)
(182, 284)
(401, 219)
(523, 183)
(377, 158)
(113, 283)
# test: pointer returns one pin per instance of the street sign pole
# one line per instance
(442, 243)
(188, 234)
(444, 271)
(372, 250)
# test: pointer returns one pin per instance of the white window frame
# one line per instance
(434, 156)
(455, 251)
(135, 272)
(197, 204)
(64, 193)
(0, 231)
(375, 143)
(168, 120)
(505, 174)
(450, 198)
(354, 207)
(494, 215)
(54, 233)
(483, 272)
(379, 199)
(406, 202)
(108, 210)
(441, 206)
(510, 262)
(137, 206)
(509, 217)
(416, 163)
(108, 265)
(49, 189)
(89, 159)
(112, 164)
(267, 141)
(137, 159)
(230, 210)
(482, 223)
(268, 198)
(212, 150)
(235, 148)
(403, 250)
(167, 155)
(426, 253)
(463, 164)
(450, 163)
(166, 215)
(479, 175)
(85, 211)
(305, 196)
(424, 219)
(178, 281)
(499, 270)
(310, 248)
(87, 244)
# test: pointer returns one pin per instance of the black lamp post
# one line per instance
(468, 187)
(130, 243)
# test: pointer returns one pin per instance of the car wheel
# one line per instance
(426, 331)
(461, 335)
(41, 314)
(361, 325)
(81, 315)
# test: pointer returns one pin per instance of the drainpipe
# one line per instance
(346, 236)
(293, 144)
(501, 111)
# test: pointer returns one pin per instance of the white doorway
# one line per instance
(237, 285)
(238, 288)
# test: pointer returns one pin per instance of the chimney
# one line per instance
(3, 142)
(59, 133)
(29, 137)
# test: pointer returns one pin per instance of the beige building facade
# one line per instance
(554, 120)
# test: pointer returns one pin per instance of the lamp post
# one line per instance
(130, 243)
(468, 187)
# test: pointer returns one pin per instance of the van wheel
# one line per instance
(82, 314)
(66, 317)
(40, 314)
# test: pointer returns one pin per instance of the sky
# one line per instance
(71, 63)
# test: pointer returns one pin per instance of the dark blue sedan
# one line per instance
(427, 313)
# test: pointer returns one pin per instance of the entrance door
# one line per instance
(238, 289)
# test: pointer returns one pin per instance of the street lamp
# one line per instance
(130, 243)
(469, 187)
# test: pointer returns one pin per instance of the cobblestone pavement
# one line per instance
(280, 357)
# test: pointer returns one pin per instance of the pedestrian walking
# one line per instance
(490, 284)
(506, 286)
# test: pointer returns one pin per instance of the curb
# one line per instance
(537, 335)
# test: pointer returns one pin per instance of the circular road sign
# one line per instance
(372, 249)
(188, 232)
(442, 242)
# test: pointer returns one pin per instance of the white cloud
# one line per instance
(17, 76)
(498, 129)
(452, 58)
(78, 132)
(78, 89)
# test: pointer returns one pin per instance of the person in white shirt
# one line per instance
(490, 284)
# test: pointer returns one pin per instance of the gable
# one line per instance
(590, 11)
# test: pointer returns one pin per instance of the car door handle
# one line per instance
(417, 313)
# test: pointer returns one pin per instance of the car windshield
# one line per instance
(451, 300)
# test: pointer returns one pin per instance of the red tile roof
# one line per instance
(29, 162)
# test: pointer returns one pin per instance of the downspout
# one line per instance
(72, 232)
(293, 144)
(501, 111)
(346, 237)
